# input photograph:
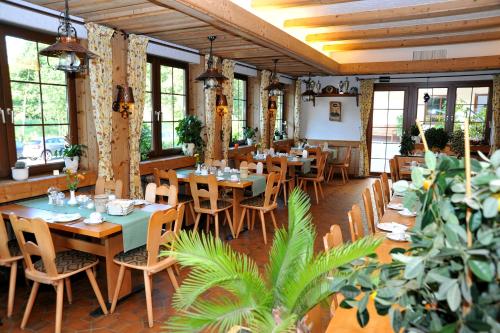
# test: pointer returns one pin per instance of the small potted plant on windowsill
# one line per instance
(20, 171)
(189, 133)
(415, 134)
(437, 138)
(277, 135)
(71, 155)
(249, 133)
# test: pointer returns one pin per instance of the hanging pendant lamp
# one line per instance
(73, 57)
(275, 88)
(212, 77)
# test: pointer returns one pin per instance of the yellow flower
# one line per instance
(427, 184)
(373, 295)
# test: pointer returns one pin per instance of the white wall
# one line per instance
(315, 123)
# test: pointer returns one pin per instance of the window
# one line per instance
(432, 113)
(165, 105)
(472, 103)
(279, 114)
(43, 117)
(239, 118)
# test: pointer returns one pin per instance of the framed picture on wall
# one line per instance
(335, 111)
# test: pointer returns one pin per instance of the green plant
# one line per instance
(457, 144)
(20, 165)
(407, 145)
(436, 137)
(189, 131)
(145, 142)
(414, 130)
(295, 279)
(71, 151)
(277, 133)
(249, 132)
(447, 281)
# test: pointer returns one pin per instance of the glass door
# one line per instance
(387, 127)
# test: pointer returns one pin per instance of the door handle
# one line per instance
(3, 115)
(9, 114)
(158, 115)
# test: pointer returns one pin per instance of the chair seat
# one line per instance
(253, 202)
(14, 249)
(135, 257)
(221, 204)
(69, 261)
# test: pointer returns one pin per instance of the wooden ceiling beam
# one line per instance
(265, 4)
(227, 16)
(409, 30)
(425, 41)
(422, 66)
(439, 9)
(136, 12)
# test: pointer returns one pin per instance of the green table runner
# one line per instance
(258, 181)
(134, 225)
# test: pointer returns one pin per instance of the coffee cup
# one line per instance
(234, 178)
(95, 217)
(227, 169)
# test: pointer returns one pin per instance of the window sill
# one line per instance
(165, 163)
(11, 190)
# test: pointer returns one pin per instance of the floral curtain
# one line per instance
(101, 91)
(272, 122)
(365, 101)
(496, 112)
(210, 115)
(264, 114)
(136, 71)
(227, 89)
(296, 111)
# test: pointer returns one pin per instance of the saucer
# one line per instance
(88, 221)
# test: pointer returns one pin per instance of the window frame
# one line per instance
(156, 62)
(280, 110)
(238, 76)
(7, 142)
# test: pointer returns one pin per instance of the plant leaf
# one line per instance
(490, 207)
(483, 269)
(454, 297)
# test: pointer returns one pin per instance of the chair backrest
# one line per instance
(103, 187)
(153, 191)
(333, 238)
(199, 194)
(347, 156)
(394, 170)
(257, 168)
(324, 161)
(272, 188)
(4, 241)
(44, 247)
(219, 164)
(386, 189)
(355, 223)
(379, 200)
(163, 229)
(169, 176)
(277, 164)
(367, 200)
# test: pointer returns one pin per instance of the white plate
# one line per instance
(63, 218)
(139, 202)
(405, 212)
(220, 178)
(394, 206)
(88, 221)
(399, 237)
(391, 226)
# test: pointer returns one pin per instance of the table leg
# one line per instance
(237, 197)
(112, 246)
(291, 173)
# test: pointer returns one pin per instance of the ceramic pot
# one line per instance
(71, 163)
(20, 174)
(188, 149)
(249, 141)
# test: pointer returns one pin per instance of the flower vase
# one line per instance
(72, 198)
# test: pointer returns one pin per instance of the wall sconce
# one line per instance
(221, 105)
(272, 107)
(124, 102)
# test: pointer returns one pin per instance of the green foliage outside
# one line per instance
(145, 142)
(76, 150)
(295, 280)
(447, 281)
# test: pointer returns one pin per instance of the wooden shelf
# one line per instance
(341, 95)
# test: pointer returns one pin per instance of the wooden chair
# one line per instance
(208, 202)
(239, 158)
(315, 178)
(280, 165)
(53, 268)
(258, 168)
(394, 170)
(216, 163)
(379, 199)
(262, 204)
(170, 177)
(10, 254)
(163, 229)
(153, 191)
(343, 167)
(333, 238)
(113, 186)
(313, 153)
(367, 200)
(386, 188)
(355, 223)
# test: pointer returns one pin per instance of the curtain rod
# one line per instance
(425, 77)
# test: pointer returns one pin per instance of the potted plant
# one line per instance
(20, 171)
(415, 134)
(249, 133)
(277, 135)
(71, 155)
(296, 279)
(407, 144)
(284, 135)
(189, 133)
(302, 143)
(457, 144)
(437, 138)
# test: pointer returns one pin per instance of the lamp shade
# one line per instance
(272, 106)
(221, 104)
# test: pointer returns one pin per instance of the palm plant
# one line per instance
(295, 279)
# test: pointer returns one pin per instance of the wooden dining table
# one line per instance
(292, 166)
(344, 320)
(103, 240)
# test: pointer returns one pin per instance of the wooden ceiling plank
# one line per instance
(439, 9)
(225, 15)
(422, 66)
(135, 12)
(410, 30)
(426, 41)
(264, 4)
